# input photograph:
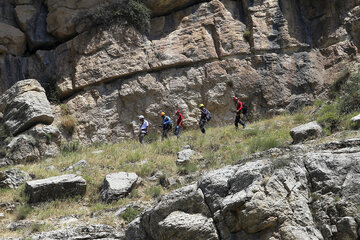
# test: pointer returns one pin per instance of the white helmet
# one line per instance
(141, 117)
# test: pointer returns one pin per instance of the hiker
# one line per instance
(166, 125)
(179, 123)
(143, 128)
(240, 108)
(204, 118)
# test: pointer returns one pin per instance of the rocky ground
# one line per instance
(299, 192)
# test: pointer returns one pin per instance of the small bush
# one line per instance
(154, 191)
(37, 227)
(130, 214)
(68, 122)
(65, 109)
(187, 168)
(350, 101)
(300, 118)
(329, 117)
(23, 211)
(230, 83)
(247, 35)
(69, 147)
(135, 13)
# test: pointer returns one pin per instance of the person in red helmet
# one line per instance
(179, 123)
(239, 109)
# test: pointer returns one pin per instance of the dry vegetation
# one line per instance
(219, 147)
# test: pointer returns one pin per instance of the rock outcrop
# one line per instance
(93, 231)
(24, 105)
(302, 193)
(12, 178)
(32, 145)
(117, 185)
(274, 55)
(306, 131)
(55, 187)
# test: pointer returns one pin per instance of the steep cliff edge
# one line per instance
(275, 55)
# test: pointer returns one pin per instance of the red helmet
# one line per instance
(235, 98)
(177, 111)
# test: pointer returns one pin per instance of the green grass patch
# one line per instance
(130, 214)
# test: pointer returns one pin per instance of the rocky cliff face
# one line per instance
(275, 55)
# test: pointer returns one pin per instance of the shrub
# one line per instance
(65, 109)
(329, 117)
(247, 35)
(23, 211)
(68, 122)
(130, 214)
(350, 101)
(135, 13)
(69, 147)
(153, 191)
(187, 168)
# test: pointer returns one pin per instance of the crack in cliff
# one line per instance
(212, 215)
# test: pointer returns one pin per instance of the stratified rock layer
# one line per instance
(25, 105)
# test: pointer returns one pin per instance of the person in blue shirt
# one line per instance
(166, 125)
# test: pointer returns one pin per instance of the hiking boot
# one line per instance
(244, 126)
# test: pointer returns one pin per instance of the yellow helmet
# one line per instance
(162, 114)
(201, 105)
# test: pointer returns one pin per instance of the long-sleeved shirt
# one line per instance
(239, 107)
(166, 120)
(180, 120)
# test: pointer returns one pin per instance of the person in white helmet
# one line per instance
(143, 128)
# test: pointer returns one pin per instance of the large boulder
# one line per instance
(12, 178)
(117, 185)
(306, 131)
(25, 105)
(12, 40)
(179, 225)
(34, 144)
(55, 188)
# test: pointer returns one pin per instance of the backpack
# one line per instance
(170, 122)
(244, 109)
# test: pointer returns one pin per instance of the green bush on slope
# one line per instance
(135, 13)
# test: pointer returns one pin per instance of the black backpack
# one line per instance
(244, 109)
(208, 117)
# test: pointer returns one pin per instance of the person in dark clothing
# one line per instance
(239, 107)
(204, 118)
(179, 123)
(166, 125)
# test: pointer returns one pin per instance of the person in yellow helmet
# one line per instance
(166, 125)
(204, 118)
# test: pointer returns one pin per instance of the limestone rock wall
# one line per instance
(275, 55)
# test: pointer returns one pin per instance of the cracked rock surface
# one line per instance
(297, 194)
